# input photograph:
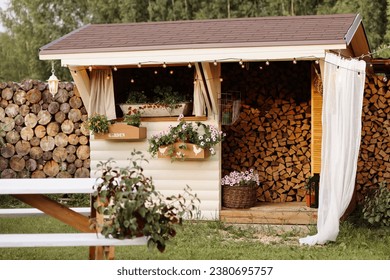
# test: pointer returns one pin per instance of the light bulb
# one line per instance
(267, 63)
(90, 68)
(384, 78)
(189, 65)
(215, 63)
(115, 69)
(164, 65)
(295, 61)
(139, 65)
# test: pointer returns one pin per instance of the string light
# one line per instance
(90, 68)
(261, 67)
(221, 79)
(164, 65)
(189, 65)
(295, 61)
(215, 63)
(267, 63)
(241, 62)
(384, 79)
(171, 72)
(108, 76)
(139, 65)
(317, 61)
(155, 72)
(132, 81)
(115, 69)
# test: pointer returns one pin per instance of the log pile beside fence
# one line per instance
(42, 136)
(374, 157)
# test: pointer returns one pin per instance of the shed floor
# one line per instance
(286, 213)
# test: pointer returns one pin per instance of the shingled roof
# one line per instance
(205, 34)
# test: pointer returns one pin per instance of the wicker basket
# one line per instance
(239, 196)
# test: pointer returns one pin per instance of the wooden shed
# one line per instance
(201, 58)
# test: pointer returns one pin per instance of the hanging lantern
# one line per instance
(53, 81)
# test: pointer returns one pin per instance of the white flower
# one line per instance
(181, 116)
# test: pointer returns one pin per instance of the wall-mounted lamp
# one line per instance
(53, 81)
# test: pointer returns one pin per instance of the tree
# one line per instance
(30, 24)
(372, 12)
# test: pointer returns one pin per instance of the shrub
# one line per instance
(98, 123)
(132, 207)
(376, 208)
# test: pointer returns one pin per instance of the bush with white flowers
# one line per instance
(243, 178)
(198, 133)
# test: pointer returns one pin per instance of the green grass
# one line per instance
(218, 241)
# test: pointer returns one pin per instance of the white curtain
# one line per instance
(199, 108)
(341, 130)
(102, 99)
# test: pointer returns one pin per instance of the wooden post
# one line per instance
(316, 123)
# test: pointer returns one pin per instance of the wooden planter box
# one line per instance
(183, 151)
(122, 131)
(153, 110)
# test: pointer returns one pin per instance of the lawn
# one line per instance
(216, 240)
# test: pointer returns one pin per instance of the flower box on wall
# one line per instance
(158, 110)
(122, 131)
(183, 151)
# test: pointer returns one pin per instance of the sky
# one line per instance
(3, 4)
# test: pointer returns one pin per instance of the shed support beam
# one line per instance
(81, 79)
(212, 74)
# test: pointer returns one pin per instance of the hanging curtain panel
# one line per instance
(341, 130)
(199, 108)
(102, 99)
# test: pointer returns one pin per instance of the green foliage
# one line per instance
(214, 240)
(133, 207)
(30, 24)
(136, 97)
(376, 208)
(167, 97)
(200, 134)
(134, 118)
(98, 124)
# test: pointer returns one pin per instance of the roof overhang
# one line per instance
(186, 55)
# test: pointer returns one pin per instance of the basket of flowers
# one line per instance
(239, 189)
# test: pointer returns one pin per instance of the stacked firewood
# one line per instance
(374, 157)
(275, 143)
(42, 136)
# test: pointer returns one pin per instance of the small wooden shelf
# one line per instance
(185, 151)
(122, 131)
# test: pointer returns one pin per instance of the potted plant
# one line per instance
(131, 206)
(239, 189)
(130, 129)
(186, 141)
(165, 102)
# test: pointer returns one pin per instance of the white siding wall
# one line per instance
(203, 177)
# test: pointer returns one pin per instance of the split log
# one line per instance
(53, 129)
(47, 143)
(17, 163)
(82, 152)
(51, 168)
(33, 96)
(44, 117)
(67, 127)
(40, 131)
